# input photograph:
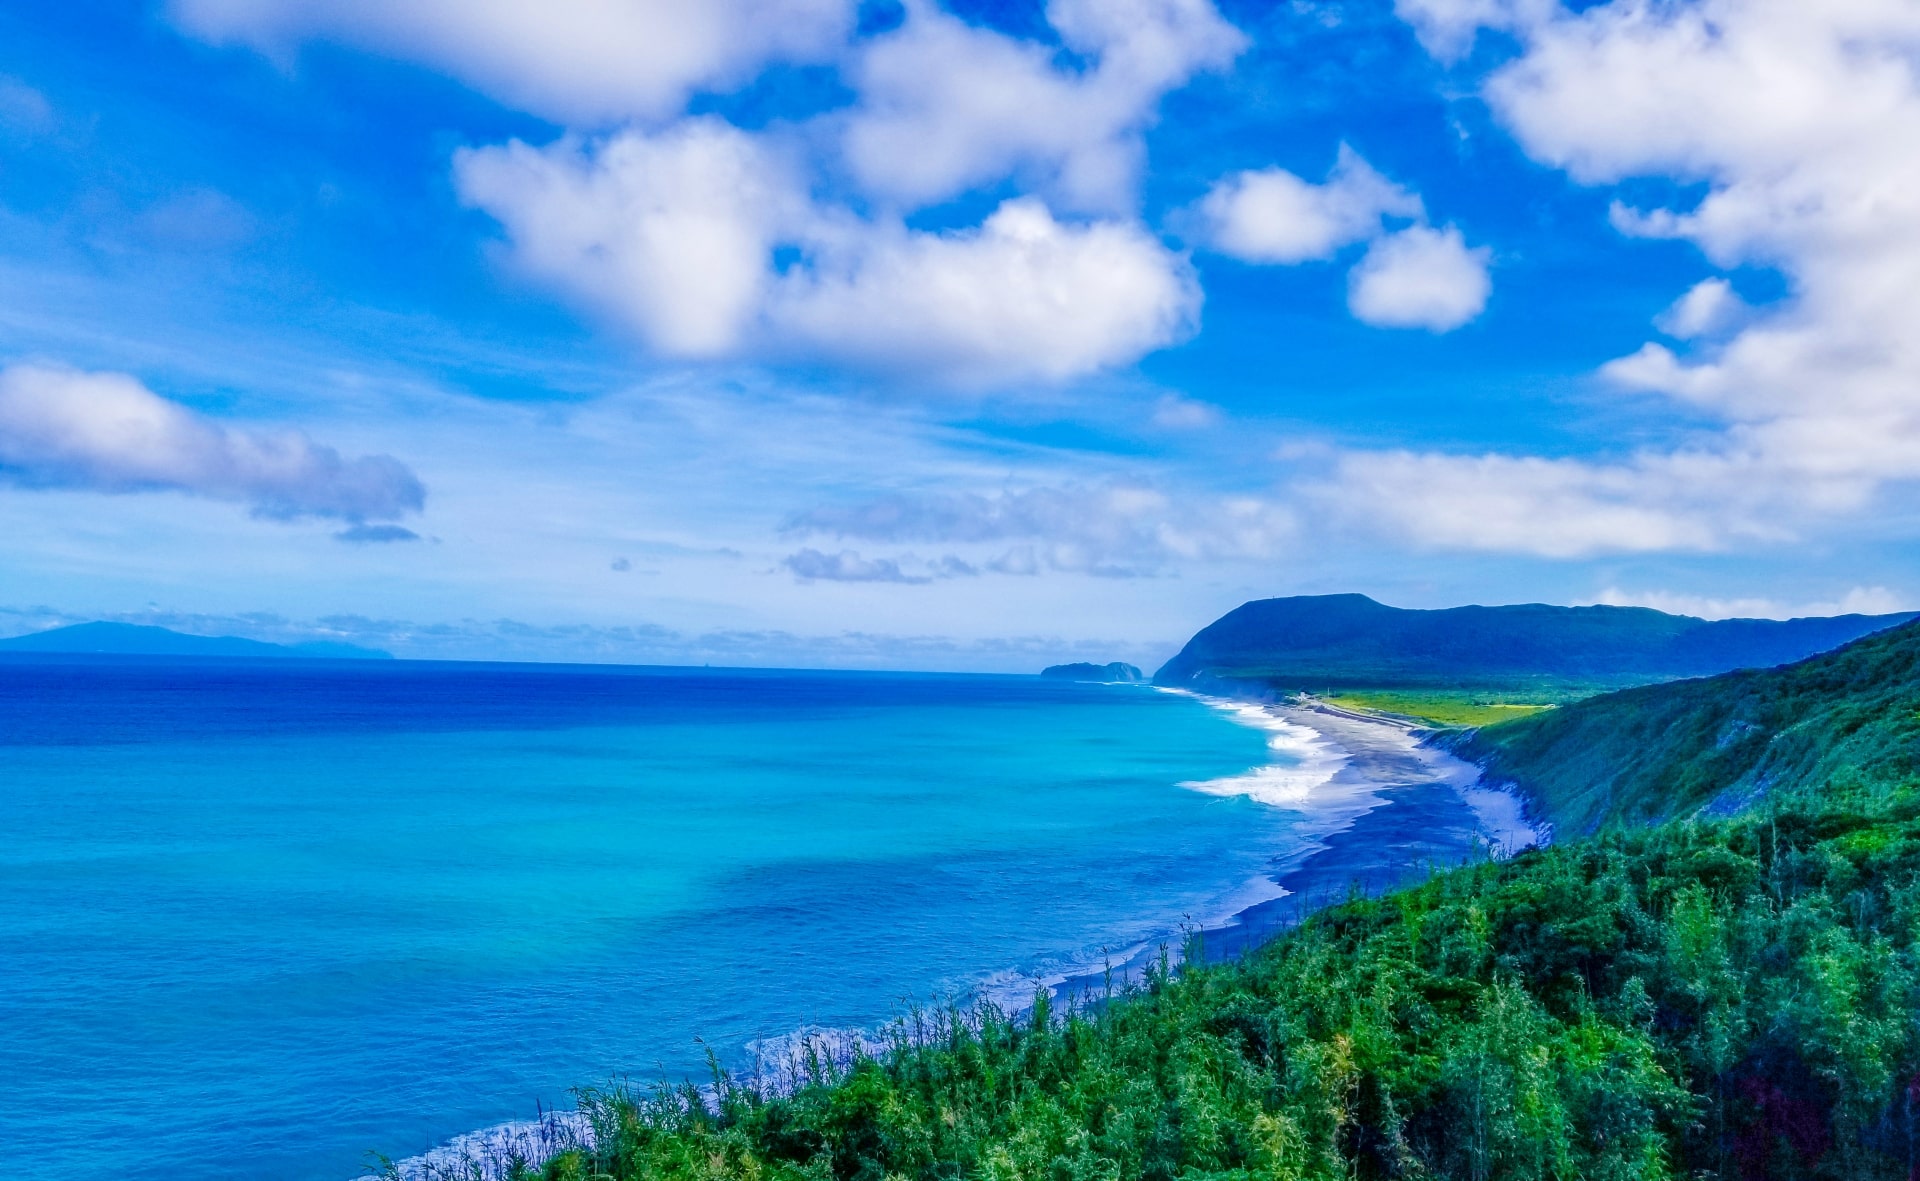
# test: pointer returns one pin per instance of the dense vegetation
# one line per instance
(1732, 999)
(1348, 641)
(1648, 754)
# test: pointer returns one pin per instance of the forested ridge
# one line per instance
(1661, 751)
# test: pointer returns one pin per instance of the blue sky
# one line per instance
(827, 333)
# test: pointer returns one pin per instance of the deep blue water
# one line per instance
(257, 919)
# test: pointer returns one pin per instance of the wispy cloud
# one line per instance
(809, 565)
(105, 432)
(1115, 530)
(1860, 600)
(23, 109)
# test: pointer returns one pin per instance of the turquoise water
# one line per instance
(256, 920)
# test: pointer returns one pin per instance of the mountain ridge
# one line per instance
(1309, 640)
(105, 638)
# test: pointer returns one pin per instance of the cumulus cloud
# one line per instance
(675, 233)
(945, 106)
(1022, 296)
(1420, 277)
(1414, 277)
(713, 243)
(1273, 216)
(1860, 600)
(1112, 530)
(1708, 307)
(61, 428)
(1802, 124)
(583, 62)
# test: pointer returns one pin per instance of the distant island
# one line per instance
(131, 639)
(1119, 672)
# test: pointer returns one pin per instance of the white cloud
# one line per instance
(1114, 530)
(1447, 27)
(584, 62)
(675, 234)
(1708, 307)
(1023, 296)
(1420, 277)
(1414, 277)
(711, 243)
(1273, 216)
(671, 232)
(60, 428)
(945, 106)
(1860, 600)
(1802, 123)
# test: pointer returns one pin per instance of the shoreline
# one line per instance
(1420, 809)
(1387, 810)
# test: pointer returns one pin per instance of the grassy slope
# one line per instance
(1666, 750)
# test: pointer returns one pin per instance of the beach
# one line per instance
(1382, 809)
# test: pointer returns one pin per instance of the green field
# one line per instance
(1441, 707)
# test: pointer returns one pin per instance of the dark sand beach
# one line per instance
(1399, 810)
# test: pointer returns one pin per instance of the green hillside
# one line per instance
(1661, 751)
(1351, 641)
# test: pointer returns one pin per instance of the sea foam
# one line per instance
(1305, 759)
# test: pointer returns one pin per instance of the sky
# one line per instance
(975, 336)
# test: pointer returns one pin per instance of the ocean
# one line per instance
(261, 919)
